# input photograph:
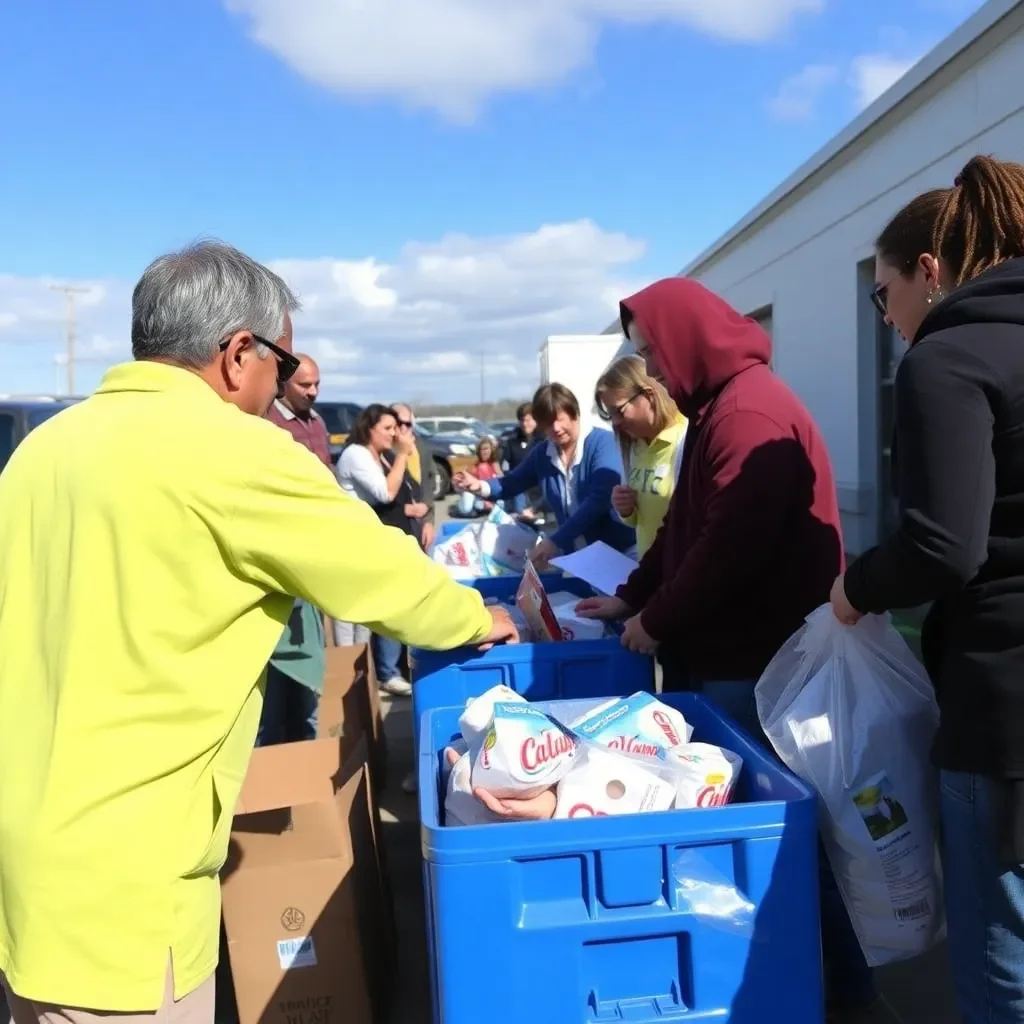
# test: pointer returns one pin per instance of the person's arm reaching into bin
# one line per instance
(298, 534)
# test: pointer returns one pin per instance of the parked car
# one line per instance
(451, 453)
(453, 425)
(18, 416)
(339, 418)
(501, 428)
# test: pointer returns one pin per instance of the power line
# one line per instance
(70, 291)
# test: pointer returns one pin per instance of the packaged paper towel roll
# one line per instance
(706, 774)
(525, 752)
(476, 719)
(604, 783)
(640, 724)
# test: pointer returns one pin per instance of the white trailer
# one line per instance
(577, 361)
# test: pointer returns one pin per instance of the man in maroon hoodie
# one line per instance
(751, 543)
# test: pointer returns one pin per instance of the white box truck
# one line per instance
(577, 361)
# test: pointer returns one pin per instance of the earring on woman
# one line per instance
(935, 295)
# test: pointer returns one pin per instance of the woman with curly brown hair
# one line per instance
(950, 279)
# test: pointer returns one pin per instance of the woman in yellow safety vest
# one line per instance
(650, 430)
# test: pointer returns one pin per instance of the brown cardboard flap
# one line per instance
(290, 774)
(304, 902)
(343, 666)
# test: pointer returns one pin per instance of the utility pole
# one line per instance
(70, 291)
(481, 381)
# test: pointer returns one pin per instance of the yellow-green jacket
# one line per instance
(151, 539)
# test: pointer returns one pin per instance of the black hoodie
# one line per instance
(959, 476)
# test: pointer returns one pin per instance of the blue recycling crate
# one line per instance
(554, 671)
(582, 922)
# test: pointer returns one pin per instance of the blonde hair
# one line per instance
(628, 377)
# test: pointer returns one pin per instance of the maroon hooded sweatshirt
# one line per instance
(751, 543)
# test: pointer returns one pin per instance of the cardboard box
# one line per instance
(350, 705)
(309, 932)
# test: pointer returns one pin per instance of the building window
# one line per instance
(763, 316)
(890, 352)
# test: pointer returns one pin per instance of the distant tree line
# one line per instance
(489, 412)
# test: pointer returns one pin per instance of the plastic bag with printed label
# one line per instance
(850, 710)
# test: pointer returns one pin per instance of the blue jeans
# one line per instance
(289, 711)
(387, 657)
(984, 902)
(516, 504)
(849, 981)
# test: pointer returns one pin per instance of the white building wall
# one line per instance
(807, 258)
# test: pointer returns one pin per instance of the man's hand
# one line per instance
(534, 808)
(405, 442)
(463, 481)
(542, 554)
(503, 629)
(602, 608)
(416, 510)
(637, 639)
(841, 607)
(624, 500)
(427, 536)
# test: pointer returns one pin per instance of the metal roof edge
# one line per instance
(928, 66)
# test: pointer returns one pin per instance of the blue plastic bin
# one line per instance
(580, 922)
(451, 527)
(552, 671)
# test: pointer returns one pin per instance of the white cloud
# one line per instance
(416, 325)
(871, 74)
(798, 96)
(868, 75)
(452, 55)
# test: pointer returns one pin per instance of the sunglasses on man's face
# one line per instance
(404, 424)
(287, 364)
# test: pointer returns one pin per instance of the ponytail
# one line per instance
(971, 227)
(981, 222)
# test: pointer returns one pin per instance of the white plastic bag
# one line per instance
(850, 710)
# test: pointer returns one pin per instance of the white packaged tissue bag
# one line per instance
(475, 721)
(706, 774)
(640, 725)
(525, 752)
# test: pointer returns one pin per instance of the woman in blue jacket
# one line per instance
(576, 471)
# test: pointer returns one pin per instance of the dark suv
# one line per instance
(339, 418)
(20, 415)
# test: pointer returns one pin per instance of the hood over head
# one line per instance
(994, 297)
(697, 339)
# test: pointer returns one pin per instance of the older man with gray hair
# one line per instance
(153, 539)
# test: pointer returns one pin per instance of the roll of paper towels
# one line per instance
(604, 783)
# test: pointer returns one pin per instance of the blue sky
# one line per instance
(437, 178)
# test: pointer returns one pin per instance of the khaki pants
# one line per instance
(195, 1008)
